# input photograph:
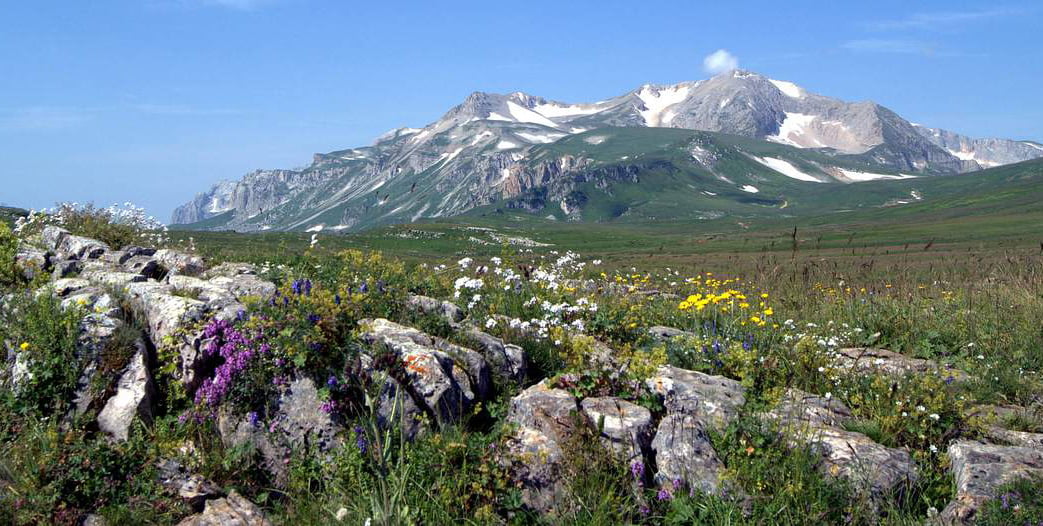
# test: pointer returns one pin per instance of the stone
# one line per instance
(625, 427)
(873, 469)
(296, 420)
(32, 262)
(714, 399)
(79, 247)
(891, 363)
(143, 265)
(65, 286)
(507, 361)
(164, 312)
(980, 469)
(53, 236)
(233, 510)
(193, 488)
(400, 339)
(663, 334)
(110, 277)
(180, 263)
(133, 398)
(96, 330)
(230, 270)
(427, 305)
(242, 286)
(1016, 438)
(545, 417)
(94, 520)
(683, 451)
(65, 268)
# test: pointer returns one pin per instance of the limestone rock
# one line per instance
(79, 247)
(661, 333)
(980, 469)
(53, 236)
(683, 451)
(297, 420)
(714, 399)
(625, 427)
(143, 265)
(889, 362)
(191, 487)
(507, 360)
(133, 398)
(426, 305)
(549, 410)
(180, 263)
(233, 510)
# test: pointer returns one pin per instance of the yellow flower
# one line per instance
(768, 312)
(24, 346)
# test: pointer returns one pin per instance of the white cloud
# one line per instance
(720, 61)
(940, 19)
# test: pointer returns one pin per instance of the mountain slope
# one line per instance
(512, 149)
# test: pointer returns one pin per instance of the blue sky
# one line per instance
(152, 101)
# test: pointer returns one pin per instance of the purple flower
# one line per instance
(241, 315)
(336, 299)
(637, 468)
(664, 494)
(677, 483)
(307, 287)
(252, 417)
(314, 319)
(360, 439)
(328, 406)
(644, 510)
(364, 288)
(296, 286)
(331, 382)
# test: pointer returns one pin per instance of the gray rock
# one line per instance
(133, 398)
(661, 333)
(713, 399)
(79, 247)
(544, 417)
(295, 421)
(980, 469)
(94, 520)
(426, 305)
(242, 286)
(233, 510)
(683, 452)
(231, 270)
(625, 427)
(401, 339)
(53, 236)
(65, 268)
(180, 263)
(32, 262)
(144, 265)
(507, 361)
(889, 362)
(191, 487)
(876, 471)
(66, 286)
(110, 277)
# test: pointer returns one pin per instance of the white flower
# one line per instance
(829, 396)
(465, 262)
(821, 369)
(921, 408)
(342, 514)
(934, 416)
(490, 323)
(933, 448)
(495, 260)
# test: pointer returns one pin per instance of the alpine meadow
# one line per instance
(724, 301)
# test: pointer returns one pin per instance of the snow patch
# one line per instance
(526, 115)
(709, 193)
(595, 139)
(785, 168)
(858, 177)
(749, 188)
(788, 88)
(505, 145)
(539, 138)
(657, 101)
(792, 132)
(557, 110)
(493, 116)
(315, 228)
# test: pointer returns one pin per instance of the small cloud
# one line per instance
(939, 20)
(43, 118)
(720, 61)
(877, 45)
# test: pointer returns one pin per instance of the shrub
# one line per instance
(10, 274)
(1018, 502)
(117, 226)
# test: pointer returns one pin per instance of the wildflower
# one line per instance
(336, 300)
(490, 323)
(933, 448)
(314, 319)
(252, 417)
(637, 468)
(360, 439)
(342, 514)
(24, 346)
(331, 382)
(664, 495)
(934, 416)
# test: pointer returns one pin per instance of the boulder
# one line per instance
(874, 470)
(79, 247)
(507, 361)
(143, 265)
(888, 362)
(980, 469)
(662, 334)
(32, 262)
(230, 270)
(625, 427)
(193, 488)
(544, 417)
(133, 398)
(241, 286)
(53, 236)
(180, 263)
(431, 306)
(714, 399)
(297, 420)
(683, 452)
(233, 510)
(65, 268)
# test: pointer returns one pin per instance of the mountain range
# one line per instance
(735, 144)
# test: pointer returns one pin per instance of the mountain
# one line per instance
(548, 157)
